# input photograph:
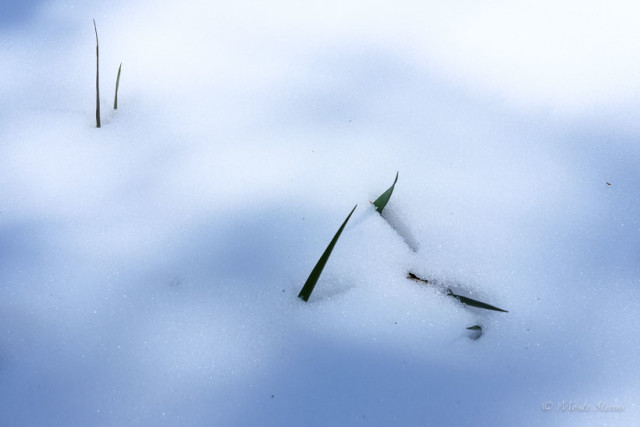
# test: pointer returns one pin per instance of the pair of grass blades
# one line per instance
(115, 100)
(380, 204)
(310, 284)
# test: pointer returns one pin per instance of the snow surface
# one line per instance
(149, 270)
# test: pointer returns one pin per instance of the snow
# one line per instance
(149, 270)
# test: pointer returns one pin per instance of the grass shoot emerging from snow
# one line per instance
(115, 99)
(97, 76)
(474, 303)
(307, 289)
(465, 300)
(475, 332)
(382, 201)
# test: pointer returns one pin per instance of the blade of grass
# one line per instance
(464, 300)
(97, 77)
(305, 293)
(475, 303)
(475, 332)
(382, 201)
(115, 100)
(412, 276)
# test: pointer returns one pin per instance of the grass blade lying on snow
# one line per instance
(475, 303)
(305, 293)
(418, 279)
(115, 100)
(382, 201)
(464, 300)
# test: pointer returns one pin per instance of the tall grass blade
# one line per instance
(475, 303)
(115, 100)
(307, 289)
(382, 201)
(97, 76)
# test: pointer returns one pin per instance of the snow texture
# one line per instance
(149, 270)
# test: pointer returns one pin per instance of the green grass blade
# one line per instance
(97, 77)
(382, 201)
(475, 303)
(115, 100)
(305, 293)
(464, 300)
(475, 332)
